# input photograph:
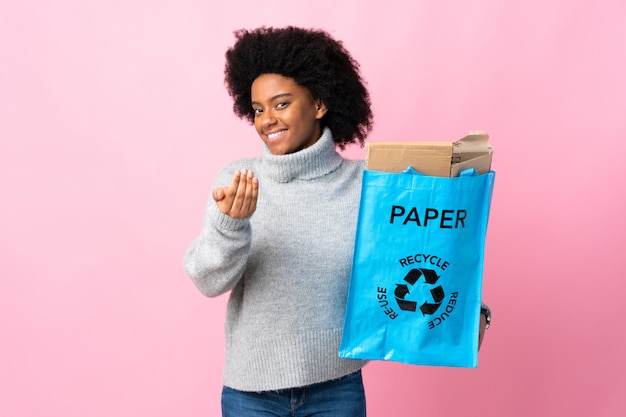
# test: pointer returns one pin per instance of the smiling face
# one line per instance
(286, 116)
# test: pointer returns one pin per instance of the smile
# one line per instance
(275, 135)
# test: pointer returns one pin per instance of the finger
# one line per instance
(481, 330)
(226, 195)
(218, 194)
(255, 194)
(247, 203)
(240, 193)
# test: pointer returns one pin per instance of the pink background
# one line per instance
(114, 121)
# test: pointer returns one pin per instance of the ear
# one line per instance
(321, 109)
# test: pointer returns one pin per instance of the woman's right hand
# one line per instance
(238, 200)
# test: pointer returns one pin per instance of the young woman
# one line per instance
(279, 230)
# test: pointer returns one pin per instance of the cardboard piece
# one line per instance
(441, 159)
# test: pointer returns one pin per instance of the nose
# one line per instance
(268, 118)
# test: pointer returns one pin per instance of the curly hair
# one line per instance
(313, 59)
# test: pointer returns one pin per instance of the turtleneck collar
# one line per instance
(315, 161)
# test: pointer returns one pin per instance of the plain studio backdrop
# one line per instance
(114, 121)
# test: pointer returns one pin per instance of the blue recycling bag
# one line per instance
(416, 283)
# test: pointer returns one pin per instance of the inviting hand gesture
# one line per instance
(238, 200)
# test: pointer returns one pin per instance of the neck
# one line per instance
(312, 162)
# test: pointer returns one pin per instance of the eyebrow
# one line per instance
(277, 96)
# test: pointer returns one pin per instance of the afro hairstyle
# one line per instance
(314, 60)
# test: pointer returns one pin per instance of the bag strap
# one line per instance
(469, 172)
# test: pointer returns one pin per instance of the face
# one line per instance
(286, 116)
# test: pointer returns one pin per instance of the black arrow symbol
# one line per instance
(412, 276)
(401, 290)
(406, 305)
(438, 294)
(430, 276)
(427, 308)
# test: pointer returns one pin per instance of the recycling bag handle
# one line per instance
(469, 172)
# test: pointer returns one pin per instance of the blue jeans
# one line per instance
(343, 397)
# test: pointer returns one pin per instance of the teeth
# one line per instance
(275, 135)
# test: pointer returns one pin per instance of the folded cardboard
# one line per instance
(441, 159)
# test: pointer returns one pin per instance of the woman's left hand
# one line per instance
(481, 329)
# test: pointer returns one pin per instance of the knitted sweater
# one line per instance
(287, 267)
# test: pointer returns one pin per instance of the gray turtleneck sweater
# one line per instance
(287, 268)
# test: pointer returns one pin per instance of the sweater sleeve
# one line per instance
(217, 258)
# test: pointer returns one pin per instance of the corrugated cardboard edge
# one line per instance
(429, 158)
(472, 151)
(442, 159)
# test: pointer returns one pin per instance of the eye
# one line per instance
(257, 112)
(281, 104)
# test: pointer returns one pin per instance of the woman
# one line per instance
(279, 231)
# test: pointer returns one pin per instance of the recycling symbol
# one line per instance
(430, 278)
